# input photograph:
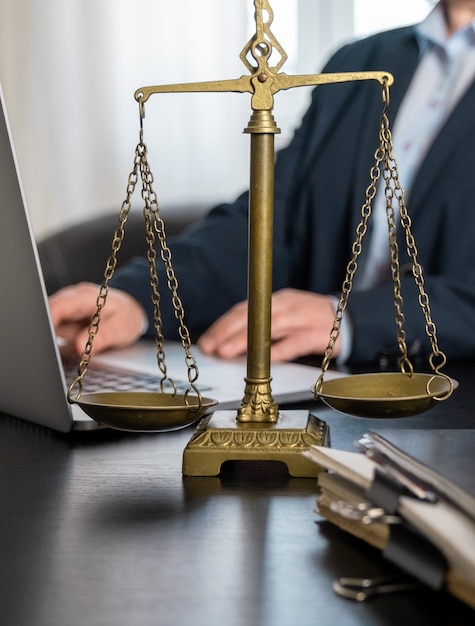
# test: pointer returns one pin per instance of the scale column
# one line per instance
(258, 404)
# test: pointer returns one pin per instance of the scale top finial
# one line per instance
(263, 44)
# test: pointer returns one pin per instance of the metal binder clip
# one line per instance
(393, 462)
(361, 589)
(364, 512)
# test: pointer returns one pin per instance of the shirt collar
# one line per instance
(431, 31)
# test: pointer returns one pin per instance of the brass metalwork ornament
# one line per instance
(259, 430)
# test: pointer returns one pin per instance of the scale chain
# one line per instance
(384, 157)
(153, 224)
(111, 265)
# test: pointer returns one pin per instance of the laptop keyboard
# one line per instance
(108, 379)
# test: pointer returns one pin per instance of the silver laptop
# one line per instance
(33, 382)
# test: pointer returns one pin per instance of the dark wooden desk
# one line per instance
(102, 529)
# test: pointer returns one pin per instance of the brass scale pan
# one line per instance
(386, 394)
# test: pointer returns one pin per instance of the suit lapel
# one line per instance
(460, 122)
(399, 56)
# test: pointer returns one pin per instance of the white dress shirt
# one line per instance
(445, 71)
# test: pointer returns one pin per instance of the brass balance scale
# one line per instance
(259, 430)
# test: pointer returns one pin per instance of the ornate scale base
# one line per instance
(219, 438)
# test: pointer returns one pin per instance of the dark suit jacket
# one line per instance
(320, 183)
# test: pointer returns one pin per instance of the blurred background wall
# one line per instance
(69, 69)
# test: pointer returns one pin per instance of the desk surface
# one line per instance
(102, 529)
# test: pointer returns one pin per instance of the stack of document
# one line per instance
(422, 521)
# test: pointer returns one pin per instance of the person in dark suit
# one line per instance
(321, 180)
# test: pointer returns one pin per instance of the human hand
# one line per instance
(300, 325)
(122, 318)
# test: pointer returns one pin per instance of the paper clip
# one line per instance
(363, 512)
(360, 589)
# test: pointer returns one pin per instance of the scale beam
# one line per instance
(262, 85)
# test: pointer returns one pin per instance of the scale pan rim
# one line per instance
(144, 411)
(339, 393)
